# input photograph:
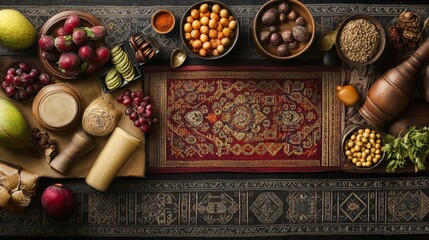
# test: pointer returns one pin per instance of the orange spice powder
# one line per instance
(163, 21)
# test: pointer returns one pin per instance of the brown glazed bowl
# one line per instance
(381, 43)
(159, 13)
(233, 38)
(270, 51)
(49, 28)
(348, 132)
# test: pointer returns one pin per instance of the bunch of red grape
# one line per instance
(139, 109)
(23, 82)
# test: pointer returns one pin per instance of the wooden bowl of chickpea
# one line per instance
(209, 30)
(361, 147)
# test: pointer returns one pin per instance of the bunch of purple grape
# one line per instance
(139, 109)
(23, 82)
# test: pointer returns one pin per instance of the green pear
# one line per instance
(14, 132)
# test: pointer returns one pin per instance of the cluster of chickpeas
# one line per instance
(363, 147)
(210, 30)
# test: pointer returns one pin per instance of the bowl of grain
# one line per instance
(360, 40)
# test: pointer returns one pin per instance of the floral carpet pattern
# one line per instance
(236, 208)
(245, 120)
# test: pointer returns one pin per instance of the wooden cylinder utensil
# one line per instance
(81, 144)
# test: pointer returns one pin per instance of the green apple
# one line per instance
(14, 132)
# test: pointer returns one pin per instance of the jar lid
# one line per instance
(57, 107)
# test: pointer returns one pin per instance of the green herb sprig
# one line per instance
(413, 146)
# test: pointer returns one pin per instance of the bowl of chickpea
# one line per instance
(209, 30)
(361, 147)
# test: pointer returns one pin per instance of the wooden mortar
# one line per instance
(392, 92)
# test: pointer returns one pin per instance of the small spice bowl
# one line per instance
(163, 21)
(361, 147)
(377, 52)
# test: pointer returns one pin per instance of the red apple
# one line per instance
(58, 201)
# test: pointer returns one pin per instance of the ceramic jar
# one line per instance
(58, 108)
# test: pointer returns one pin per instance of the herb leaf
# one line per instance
(413, 146)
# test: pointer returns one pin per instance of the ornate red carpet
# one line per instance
(251, 119)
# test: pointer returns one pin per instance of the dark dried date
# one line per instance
(41, 145)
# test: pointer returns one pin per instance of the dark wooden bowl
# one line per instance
(189, 47)
(270, 51)
(49, 28)
(381, 43)
(16, 65)
(346, 135)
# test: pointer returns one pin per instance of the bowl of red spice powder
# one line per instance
(163, 21)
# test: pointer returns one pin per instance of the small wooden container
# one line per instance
(166, 26)
(58, 108)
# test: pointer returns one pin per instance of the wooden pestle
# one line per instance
(80, 145)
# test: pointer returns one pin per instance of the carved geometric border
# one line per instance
(236, 208)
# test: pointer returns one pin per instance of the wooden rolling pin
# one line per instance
(80, 145)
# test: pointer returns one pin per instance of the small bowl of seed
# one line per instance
(360, 40)
(361, 147)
